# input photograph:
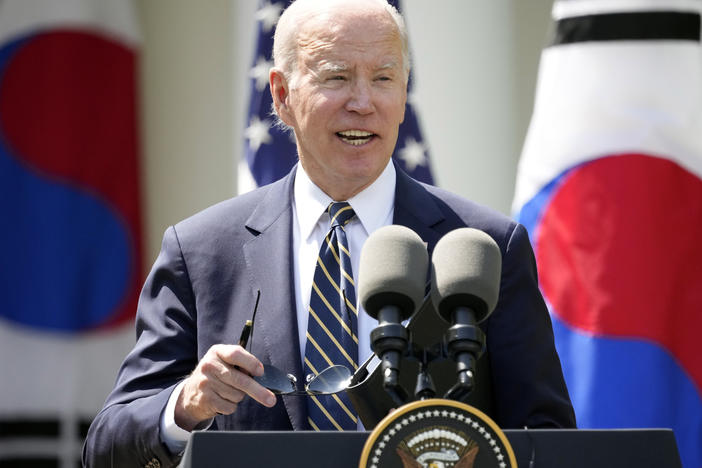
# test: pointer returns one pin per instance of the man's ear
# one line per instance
(280, 93)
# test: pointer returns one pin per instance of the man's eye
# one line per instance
(337, 78)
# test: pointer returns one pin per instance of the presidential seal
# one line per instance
(437, 433)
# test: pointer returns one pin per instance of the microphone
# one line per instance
(466, 269)
(391, 282)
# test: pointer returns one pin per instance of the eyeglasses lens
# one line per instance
(276, 380)
(331, 380)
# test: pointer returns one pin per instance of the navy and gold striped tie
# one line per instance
(332, 323)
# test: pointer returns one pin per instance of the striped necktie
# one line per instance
(332, 323)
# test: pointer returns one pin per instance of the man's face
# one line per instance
(346, 99)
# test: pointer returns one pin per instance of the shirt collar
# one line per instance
(372, 205)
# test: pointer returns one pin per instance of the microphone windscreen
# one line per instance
(393, 270)
(466, 268)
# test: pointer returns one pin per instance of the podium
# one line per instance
(546, 448)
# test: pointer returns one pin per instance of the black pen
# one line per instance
(245, 332)
(244, 338)
(248, 326)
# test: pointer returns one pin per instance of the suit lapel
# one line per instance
(269, 260)
(416, 209)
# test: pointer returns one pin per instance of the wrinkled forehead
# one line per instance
(329, 33)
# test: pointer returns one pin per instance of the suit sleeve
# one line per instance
(527, 377)
(126, 431)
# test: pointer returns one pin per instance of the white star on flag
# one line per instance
(268, 15)
(412, 99)
(257, 132)
(413, 154)
(259, 72)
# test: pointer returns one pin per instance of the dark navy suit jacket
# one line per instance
(203, 287)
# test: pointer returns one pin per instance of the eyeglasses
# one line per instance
(331, 380)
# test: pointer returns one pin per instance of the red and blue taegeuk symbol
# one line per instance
(69, 184)
(617, 242)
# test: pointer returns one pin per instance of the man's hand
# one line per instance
(220, 381)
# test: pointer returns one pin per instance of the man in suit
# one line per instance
(340, 83)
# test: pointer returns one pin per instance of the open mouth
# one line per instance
(355, 137)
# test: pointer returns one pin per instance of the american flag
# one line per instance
(270, 152)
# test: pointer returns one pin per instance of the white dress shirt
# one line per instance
(374, 208)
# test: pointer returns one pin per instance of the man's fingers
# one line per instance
(220, 381)
(224, 398)
(235, 355)
(228, 382)
(240, 365)
(221, 405)
(248, 385)
(198, 401)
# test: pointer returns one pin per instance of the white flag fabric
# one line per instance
(70, 271)
(610, 188)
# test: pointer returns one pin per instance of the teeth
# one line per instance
(356, 133)
(355, 137)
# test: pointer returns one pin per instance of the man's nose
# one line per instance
(361, 98)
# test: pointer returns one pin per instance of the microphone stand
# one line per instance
(389, 340)
(424, 389)
(465, 343)
(462, 343)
